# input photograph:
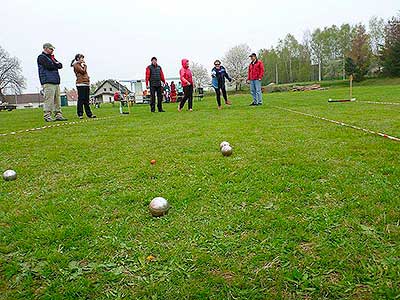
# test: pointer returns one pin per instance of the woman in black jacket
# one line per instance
(218, 74)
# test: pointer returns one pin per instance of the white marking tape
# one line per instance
(375, 102)
(53, 126)
(393, 138)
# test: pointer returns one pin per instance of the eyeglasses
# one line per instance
(217, 65)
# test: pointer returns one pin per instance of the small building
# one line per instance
(71, 96)
(105, 92)
(25, 100)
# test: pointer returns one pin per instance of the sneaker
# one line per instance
(191, 110)
(219, 107)
(179, 109)
(61, 118)
(48, 119)
(253, 104)
(227, 102)
(80, 117)
(92, 117)
(161, 110)
(258, 104)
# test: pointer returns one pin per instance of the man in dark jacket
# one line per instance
(50, 81)
(154, 77)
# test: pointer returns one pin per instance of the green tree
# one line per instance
(317, 45)
(360, 52)
(270, 58)
(345, 38)
(390, 55)
(350, 66)
(94, 86)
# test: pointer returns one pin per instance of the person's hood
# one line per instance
(184, 63)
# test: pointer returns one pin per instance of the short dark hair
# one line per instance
(153, 58)
(217, 61)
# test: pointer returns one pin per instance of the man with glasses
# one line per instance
(255, 75)
(50, 80)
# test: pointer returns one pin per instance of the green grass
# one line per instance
(303, 209)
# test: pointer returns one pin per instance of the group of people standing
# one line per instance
(49, 77)
(155, 81)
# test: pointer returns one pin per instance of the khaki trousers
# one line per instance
(52, 100)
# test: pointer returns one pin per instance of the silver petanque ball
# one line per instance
(223, 144)
(10, 175)
(226, 151)
(158, 207)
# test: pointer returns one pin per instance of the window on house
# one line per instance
(109, 98)
(105, 89)
(111, 89)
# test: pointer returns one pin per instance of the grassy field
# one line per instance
(303, 209)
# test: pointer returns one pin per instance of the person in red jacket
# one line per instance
(255, 75)
(173, 92)
(154, 77)
(187, 83)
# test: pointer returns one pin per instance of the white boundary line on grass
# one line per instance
(53, 126)
(375, 102)
(393, 138)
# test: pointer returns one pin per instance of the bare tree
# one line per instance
(200, 75)
(316, 45)
(377, 34)
(10, 73)
(236, 61)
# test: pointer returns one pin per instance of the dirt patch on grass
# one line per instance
(226, 275)
(307, 247)
(362, 292)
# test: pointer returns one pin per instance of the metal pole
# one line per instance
(319, 71)
(351, 87)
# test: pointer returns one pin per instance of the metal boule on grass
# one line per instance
(223, 144)
(226, 151)
(158, 207)
(9, 175)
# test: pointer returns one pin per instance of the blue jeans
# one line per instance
(255, 90)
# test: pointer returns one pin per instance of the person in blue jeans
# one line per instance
(255, 75)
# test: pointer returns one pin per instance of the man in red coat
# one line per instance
(255, 75)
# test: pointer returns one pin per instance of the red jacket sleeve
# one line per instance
(261, 69)
(147, 76)
(182, 76)
(248, 73)
(162, 76)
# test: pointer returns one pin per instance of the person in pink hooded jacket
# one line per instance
(187, 82)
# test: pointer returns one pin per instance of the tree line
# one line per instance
(336, 52)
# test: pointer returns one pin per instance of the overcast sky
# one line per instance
(119, 37)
